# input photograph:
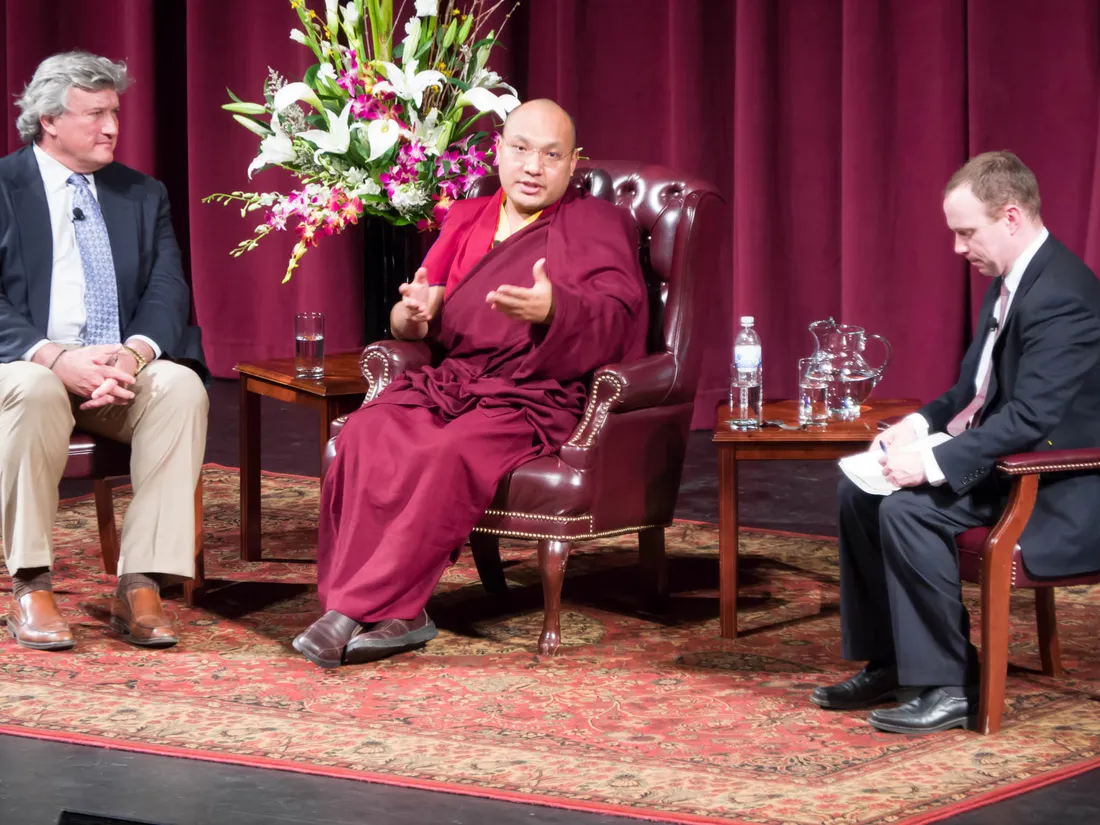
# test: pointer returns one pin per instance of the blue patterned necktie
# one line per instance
(100, 288)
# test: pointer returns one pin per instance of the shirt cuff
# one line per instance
(29, 354)
(152, 344)
(932, 472)
(920, 425)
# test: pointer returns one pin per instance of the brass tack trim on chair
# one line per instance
(599, 411)
(1023, 471)
(536, 516)
(367, 374)
(517, 534)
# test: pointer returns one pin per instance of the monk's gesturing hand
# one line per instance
(416, 297)
(534, 305)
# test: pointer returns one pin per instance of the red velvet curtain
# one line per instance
(830, 125)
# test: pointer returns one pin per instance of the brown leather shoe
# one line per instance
(140, 620)
(35, 622)
(390, 637)
(323, 642)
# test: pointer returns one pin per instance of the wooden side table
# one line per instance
(341, 390)
(836, 440)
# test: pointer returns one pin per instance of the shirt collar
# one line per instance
(55, 175)
(1012, 279)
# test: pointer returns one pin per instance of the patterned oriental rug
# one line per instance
(653, 717)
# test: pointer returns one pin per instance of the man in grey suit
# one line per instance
(93, 332)
(1030, 381)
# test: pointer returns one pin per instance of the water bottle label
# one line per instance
(746, 356)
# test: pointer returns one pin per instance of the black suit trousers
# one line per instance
(900, 592)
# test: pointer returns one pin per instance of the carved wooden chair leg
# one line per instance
(193, 588)
(486, 550)
(996, 586)
(105, 520)
(553, 556)
(651, 546)
(1047, 619)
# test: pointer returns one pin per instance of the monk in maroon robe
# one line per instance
(527, 293)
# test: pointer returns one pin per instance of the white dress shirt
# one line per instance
(985, 363)
(67, 314)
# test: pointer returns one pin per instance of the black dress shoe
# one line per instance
(866, 689)
(933, 711)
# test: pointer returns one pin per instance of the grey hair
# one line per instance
(47, 95)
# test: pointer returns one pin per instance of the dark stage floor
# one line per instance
(39, 780)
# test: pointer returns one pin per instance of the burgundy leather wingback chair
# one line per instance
(620, 470)
(99, 459)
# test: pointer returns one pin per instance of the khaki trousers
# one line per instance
(165, 425)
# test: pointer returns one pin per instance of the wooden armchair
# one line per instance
(991, 556)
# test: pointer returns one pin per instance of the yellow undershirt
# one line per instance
(504, 228)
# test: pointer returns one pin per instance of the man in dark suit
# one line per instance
(1029, 381)
(93, 320)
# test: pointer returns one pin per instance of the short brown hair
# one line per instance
(998, 179)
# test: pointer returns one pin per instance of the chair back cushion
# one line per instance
(679, 222)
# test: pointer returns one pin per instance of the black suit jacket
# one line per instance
(1044, 394)
(153, 298)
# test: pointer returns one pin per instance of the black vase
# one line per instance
(390, 257)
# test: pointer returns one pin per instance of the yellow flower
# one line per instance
(312, 14)
(328, 33)
(297, 4)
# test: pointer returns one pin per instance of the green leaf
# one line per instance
(461, 84)
(243, 108)
(310, 77)
(485, 41)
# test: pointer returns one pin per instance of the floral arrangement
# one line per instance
(378, 126)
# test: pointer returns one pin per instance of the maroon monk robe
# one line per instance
(417, 467)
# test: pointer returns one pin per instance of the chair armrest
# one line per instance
(617, 388)
(384, 360)
(1053, 461)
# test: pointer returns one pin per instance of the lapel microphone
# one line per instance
(78, 213)
(992, 325)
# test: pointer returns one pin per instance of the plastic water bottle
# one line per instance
(746, 379)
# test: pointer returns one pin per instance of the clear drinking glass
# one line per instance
(813, 389)
(309, 345)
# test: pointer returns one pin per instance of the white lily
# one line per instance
(428, 131)
(332, 14)
(278, 148)
(298, 36)
(408, 84)
(485, 101)
(252, 126)
(338, 137)
(351, 14)
(427, 8)
(293, 92)
(485, 79)
(327, 75)
(382, 134)
(409, 44)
